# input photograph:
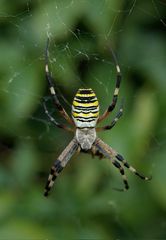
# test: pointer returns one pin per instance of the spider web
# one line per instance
(67, 50)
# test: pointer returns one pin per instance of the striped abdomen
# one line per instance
(85, 108)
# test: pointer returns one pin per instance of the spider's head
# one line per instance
(85, 108)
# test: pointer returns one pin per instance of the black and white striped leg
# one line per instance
(107, 152)
(59, 164)
(111, 154)
(133, 170)
(54, 172)
(52, 89)
(114, 121)
(53, 121)
(95, 152)
(121, 170)
(116, 91)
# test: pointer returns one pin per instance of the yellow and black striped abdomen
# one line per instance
(85, 108)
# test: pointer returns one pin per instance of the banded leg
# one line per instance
(53, 121)
(116, 91)
(133, 170)
(60, 163)
(109, 153)
(52, 89)
(121, 170)
(114, 121)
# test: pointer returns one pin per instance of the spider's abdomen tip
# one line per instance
(85, 108)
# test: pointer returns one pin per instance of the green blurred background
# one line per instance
(83, 204)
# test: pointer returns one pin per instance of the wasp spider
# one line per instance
(85, 117)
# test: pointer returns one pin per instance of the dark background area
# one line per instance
(83, 204)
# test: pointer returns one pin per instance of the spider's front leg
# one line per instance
(96, 153)
(132, 169)
(111, 154)
(60, 163)
(102, 148)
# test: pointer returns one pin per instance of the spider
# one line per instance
(85, 117)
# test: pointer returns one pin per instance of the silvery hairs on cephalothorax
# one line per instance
(85, 117)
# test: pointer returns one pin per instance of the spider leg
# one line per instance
(116, 91)
(53, 121)
(95, 152)
(52, 89)
(109, 153)
(132, 169)
(114, 121)
(59, 164)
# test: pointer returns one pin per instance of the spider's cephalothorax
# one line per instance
(85, 117)
(86, 137)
